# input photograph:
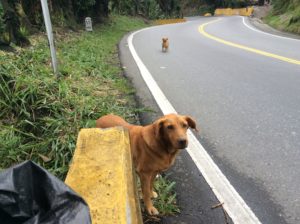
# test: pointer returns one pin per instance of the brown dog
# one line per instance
(154, 147)
(165, 44)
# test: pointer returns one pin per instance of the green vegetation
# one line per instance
(200, 7)
(285, 15)
(40, 115)
(166, 200)
(228, 3)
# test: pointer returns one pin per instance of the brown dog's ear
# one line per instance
(191, 122)
(159, 128)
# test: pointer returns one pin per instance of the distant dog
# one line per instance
(154, 147)
(165, 44)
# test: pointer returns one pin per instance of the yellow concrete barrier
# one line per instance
(230, 12)
(102, 173)
(169, 21)
(207, 14)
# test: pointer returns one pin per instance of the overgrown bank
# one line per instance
(40, 115)
(285, 15)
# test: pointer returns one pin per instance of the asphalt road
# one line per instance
(247, 104)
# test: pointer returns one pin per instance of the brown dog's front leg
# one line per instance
(153, 193)
(146, 189)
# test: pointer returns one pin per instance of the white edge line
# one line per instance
(273, 35)
(235, 206)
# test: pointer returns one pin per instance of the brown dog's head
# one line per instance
(171, 130)
(165, 39)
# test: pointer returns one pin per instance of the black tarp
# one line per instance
(29, 194)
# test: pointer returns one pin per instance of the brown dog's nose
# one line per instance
(182, 143)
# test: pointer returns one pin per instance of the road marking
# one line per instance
(235, 206)
(256, 51)
(269, 34)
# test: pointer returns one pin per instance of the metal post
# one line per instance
(49, 33)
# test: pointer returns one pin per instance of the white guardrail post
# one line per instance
(49, 34)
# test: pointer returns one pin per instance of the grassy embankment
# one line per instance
(285, 16)
(40, 114)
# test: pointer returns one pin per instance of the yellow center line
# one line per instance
(267, 54)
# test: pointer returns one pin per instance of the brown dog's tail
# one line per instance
(111, 120)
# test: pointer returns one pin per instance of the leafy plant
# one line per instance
(24, 31)
(166, 200)
(153, 10)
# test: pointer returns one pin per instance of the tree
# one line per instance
(169, 6)
(21, 17)
(12, 26)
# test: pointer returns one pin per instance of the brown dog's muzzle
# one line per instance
(182, 143)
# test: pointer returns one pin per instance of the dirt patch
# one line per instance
(261, 11)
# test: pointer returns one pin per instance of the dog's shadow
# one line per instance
(163, 52)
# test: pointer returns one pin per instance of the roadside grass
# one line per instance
(41, 114)
(288, 21)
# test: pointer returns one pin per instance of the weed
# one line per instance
(166, 202)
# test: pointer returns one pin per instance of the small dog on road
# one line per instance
(165, 44)
(154, 147)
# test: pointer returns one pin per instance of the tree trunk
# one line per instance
(70, 15)
(62, 13)
(12, 31)
(166, 6)
(33, 10)
(100, 10)
(23, 18)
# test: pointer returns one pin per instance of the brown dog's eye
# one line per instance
(184, 125)
(170, 127)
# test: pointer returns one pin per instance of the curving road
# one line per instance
(243, 88)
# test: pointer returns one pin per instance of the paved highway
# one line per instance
(243, 88)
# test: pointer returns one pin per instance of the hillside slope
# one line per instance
(285, 15)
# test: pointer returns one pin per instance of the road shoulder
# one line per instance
(261, 26)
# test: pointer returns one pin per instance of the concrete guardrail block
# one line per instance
(103, 174)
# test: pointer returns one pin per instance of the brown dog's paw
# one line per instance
(152, 211)
(154, 194)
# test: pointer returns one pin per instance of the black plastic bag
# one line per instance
(30, 195)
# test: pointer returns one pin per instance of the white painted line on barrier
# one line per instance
(273, 35)
(235, 206)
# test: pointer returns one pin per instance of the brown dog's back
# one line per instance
(111, 120)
